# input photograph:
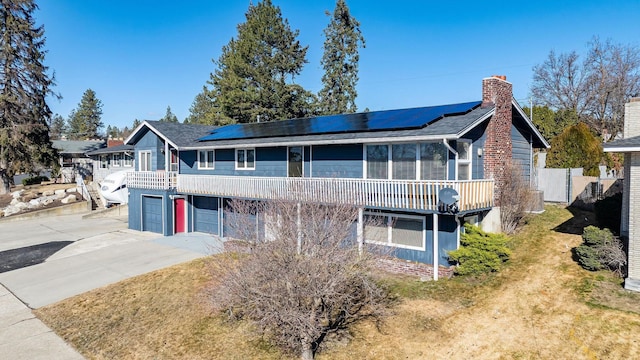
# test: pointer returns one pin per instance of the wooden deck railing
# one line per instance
(157, 180)
(395, 194)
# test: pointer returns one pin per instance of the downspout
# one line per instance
(455, 168)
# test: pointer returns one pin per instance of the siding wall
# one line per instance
(150, 142)
(521, 149)
(135, 208)
(343, 161)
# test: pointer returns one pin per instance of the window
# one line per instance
(173, 160)
(433, 161)
(206, 159)
(463, 147)
(404, 161)
(104, 161)
(402, 231)
(295, 161)
(128, 160)
(144, 161)
(377, 161)
(245, 159)
(117, 158)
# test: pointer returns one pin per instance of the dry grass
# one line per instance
(541, 306)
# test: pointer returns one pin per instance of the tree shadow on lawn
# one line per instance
(580, 219)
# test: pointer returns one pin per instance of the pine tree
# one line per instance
(169, 116)
(136, 123)
(57, 127)
(204, 111)
(340, 62)
(86, 121)
(255, 73)
(24, 86)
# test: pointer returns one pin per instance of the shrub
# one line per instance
(515, 197)
(34, 180)
(607, 212)
(601, 250)
(480, 252)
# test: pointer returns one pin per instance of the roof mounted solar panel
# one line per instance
(401, 119)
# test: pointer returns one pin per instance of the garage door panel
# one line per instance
(205, 214)
(152, 214)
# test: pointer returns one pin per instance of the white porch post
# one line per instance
(435, 247)
(360, 230)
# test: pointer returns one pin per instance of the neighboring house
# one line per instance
(73, 160)
(391, 164)
(630, 214)
(115, 157)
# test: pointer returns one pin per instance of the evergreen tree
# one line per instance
(576, 147)
(340, 62)
(169, 116)
(86, 121)
(136, 123)
(256, 69)
(57, 127)
(204, 111)
(24, 86)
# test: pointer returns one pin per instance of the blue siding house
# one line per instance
(392, 165)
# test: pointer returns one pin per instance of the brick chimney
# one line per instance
(497, 92)
(114, 142)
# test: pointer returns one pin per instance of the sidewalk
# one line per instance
(23, 336)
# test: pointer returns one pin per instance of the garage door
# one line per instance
(152, 214)
(205, 214)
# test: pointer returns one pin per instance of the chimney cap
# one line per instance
(501, 77)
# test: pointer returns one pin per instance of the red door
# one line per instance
(180, 221)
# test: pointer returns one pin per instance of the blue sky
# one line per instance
(141, 56)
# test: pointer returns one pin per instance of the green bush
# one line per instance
(34, 180)
(588, 257)
(607, 212)
(601, 250)
(479, 252)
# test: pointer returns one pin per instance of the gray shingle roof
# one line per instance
(627, 144)
(110, 150)
(77, 146)
(182, 135)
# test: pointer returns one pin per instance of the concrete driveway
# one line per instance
(102, 251)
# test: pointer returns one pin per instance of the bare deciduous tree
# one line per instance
(516, 198)
(304, 279)
(596, 88)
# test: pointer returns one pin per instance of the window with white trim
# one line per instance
(117, 160)
(433, 161)
(245, 159)
(104, 161)
(206, 159)
(403, 158)
(403, 231)
(377, 161)
(144, 160)
(463, 147)
(127, 160)
(173, 160)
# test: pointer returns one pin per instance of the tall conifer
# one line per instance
(254, 78)
(340, 62)
(86, 121)
(24, 86)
